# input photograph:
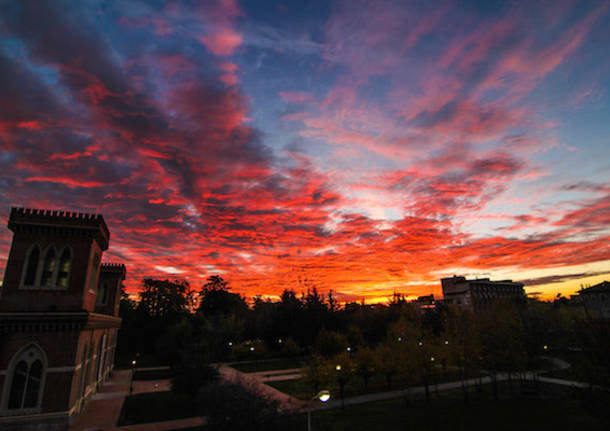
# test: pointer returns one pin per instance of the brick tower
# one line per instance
(58, 317)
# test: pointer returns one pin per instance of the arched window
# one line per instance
(31, 266)
(65, 263)
(26, 379)
(48, 268)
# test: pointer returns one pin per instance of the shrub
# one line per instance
(231, 406)
(190, 377)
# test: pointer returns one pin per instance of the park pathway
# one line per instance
(448, 386)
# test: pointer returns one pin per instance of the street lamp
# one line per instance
(323, 396)
(133, 367)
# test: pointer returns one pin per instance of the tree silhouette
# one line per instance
(215, 298)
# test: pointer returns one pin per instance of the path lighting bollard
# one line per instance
(323, 396)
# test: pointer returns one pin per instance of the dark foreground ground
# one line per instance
(545, 407)
(551, 408)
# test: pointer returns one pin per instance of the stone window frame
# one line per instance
(26, 267)
(40, 268)
(22, 354)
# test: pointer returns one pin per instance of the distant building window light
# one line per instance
(48, 268)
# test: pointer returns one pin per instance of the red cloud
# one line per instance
(162, 146)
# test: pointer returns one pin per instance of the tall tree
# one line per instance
(163, 298)
(215, 298)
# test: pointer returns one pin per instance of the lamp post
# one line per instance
(341, 379)
(323, 396)
(133, 368)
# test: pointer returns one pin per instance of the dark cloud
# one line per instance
(561, 278)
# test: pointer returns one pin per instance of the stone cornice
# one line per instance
(55, 321)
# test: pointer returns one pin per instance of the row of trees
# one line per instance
(399, 340)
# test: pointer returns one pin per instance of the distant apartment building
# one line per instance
(425, 301)
(596, 300)
(476, 294)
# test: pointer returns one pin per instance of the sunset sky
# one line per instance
(364, 147)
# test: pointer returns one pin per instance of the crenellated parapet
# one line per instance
(59, 222)
(113, 268)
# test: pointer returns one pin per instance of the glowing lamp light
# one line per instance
(545, 347)
(399, 338)
(230, 344)
(349, 349)
(338, 367)
(252, 349)
(432, 359)
(323, 396)
(446, 342)
(420, 343)
(133, 362)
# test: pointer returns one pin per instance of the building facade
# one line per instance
(58, 317)
(596, 300)
(478, 293)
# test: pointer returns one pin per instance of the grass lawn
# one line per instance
(153, 375)
(268, 365)
(123, 361)
(155, 407)
(449, 412)
(299, 388)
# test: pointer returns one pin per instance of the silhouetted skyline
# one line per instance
(355, 146)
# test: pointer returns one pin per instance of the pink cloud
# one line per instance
(222, 42)
(296, 97)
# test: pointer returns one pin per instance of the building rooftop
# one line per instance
(604, 286)
(30, 217)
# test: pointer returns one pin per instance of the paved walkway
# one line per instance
(558, 363)
(420, 390)
(103, 410)
(147, 386)
(275, 375)
(416, 390)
